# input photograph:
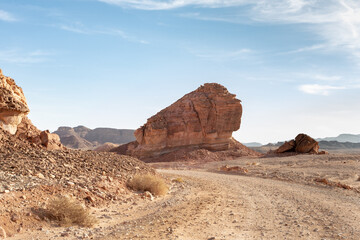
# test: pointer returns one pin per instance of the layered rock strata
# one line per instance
(202, 119)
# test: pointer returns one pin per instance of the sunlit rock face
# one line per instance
(13, 106)
(204, 118)
(13, 111)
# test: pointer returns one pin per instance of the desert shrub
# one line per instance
(69, 212)
(178, 180)
(152, 183)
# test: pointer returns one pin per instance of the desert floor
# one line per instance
(296, 197)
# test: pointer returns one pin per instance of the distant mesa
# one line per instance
(13, 116)
(342, 138)
(81, 137)
(301, 144)
(201, 120)
(253, 144)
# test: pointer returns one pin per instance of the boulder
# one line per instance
(302, 144)
(202, 119)
(286, 147)
(50, 140)
(306, 144)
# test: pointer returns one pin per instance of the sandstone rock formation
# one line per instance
(13, 119)
(50, 140)
(302, 144)
(202, 119)
(13, 106)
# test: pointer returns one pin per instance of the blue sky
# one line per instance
(295, 64)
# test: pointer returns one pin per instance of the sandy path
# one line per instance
(272, 209)
(211, 205)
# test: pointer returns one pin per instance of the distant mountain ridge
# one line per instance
(352, 138)
(252, 144)
(81, 137)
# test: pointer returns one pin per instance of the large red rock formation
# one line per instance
(202, 119)
(302, 144)
(13, 111)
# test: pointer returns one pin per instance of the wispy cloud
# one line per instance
(336, 22)
(81, 29)
(317, 89)
(322, 77)
(171, 4)
(308, 49)
(22, 57)
(222, 55)
(8, 17)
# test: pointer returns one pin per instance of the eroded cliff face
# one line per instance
(13, 119)
(13, 106)
(202, 119)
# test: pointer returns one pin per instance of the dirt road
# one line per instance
(223, 206)
(213, 205)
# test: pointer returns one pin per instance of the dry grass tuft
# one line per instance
(178, 180)
(69, 212)
(152, 183)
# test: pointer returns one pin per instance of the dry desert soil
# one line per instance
(295, 197)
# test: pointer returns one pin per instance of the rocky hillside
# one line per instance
(85, 138)
(201, 120)
(35, 167)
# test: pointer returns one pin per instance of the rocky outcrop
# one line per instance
(302, 144)
(50, 140)
(13, 106)
(202, 119)
(13, 119)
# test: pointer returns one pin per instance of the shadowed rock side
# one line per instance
(301, 144)
(13, 111)
(202, 119)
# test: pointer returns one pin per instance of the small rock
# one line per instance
(2, 233)
(40, 175)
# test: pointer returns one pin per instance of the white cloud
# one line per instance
(317, 89)
(20, 57)
(80, 28)
(336, 22)
(5, 16)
